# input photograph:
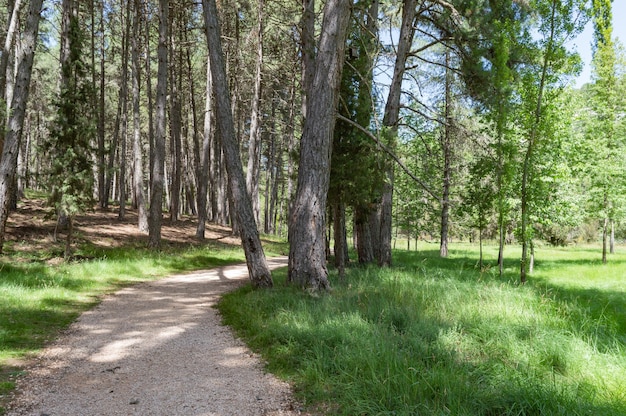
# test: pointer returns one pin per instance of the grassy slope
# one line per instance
(433, 336)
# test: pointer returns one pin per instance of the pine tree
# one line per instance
(71, 173)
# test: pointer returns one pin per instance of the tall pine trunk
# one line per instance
(390, 121)
(158, 170)
(138, 189)
(260, 275)
(254, 142)
(307, 242)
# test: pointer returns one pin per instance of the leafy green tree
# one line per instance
(606, 99)
(539, 90)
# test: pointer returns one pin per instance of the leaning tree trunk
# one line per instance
(158, 170)
(12, 30)
(8, 161)
(255, 257)
(390, 121)
(307, 250)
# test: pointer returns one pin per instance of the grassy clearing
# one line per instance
(436, 336)
(39, 299)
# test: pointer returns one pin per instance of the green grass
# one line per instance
(435, 336)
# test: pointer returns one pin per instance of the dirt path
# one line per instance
(157, 348)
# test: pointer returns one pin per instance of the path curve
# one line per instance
(157, 348)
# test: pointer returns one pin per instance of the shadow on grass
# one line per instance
(399, 341)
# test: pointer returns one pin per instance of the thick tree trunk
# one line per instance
(138, 190)
(255, 257)
(365, 248)
(8, 161)
(307, 251)
(390, 121)
(158, 171)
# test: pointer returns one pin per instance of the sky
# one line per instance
(584, 40)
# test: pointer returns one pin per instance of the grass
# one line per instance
(38, 300)
(435, 336)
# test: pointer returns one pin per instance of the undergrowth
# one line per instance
(435, 336)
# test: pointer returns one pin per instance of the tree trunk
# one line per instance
(605, 227)
(390, 121)
(254, 143)
(307, 28)
(12, 29)
(102, 179)
(158, 171)
(612, 238)
(139, 195)
(8, 161)
(123, 133)
(446, 147)
(307, 251)
(365, 248)
(341, 242)
(175, 126)
(203, 173)
(255, 257)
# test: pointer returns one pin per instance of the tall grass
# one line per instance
(438, 336)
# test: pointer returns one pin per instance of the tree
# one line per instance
(8, 162)
(138, 177)
(539, 90)
(71, 174)
(307, 250)
(258, 269)
(605, 102)
(158, 155)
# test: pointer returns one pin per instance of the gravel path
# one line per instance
(157, 348)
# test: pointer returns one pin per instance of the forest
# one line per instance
(452, 205)
(453, 121)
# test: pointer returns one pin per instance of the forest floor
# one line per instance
(31, 230)
(155, 348)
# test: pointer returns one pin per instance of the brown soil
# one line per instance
(32, 229)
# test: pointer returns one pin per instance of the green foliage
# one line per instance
(71, 174)
(433, 336)
(356, 167)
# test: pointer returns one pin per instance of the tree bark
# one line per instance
(4, 63)
(254, 142)
(139, 194)
(8, 161)
(158, 171)
(446, 147)
(124, 126)
(260, 275)
(390, 121)
(203, 174)
(307, 251)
